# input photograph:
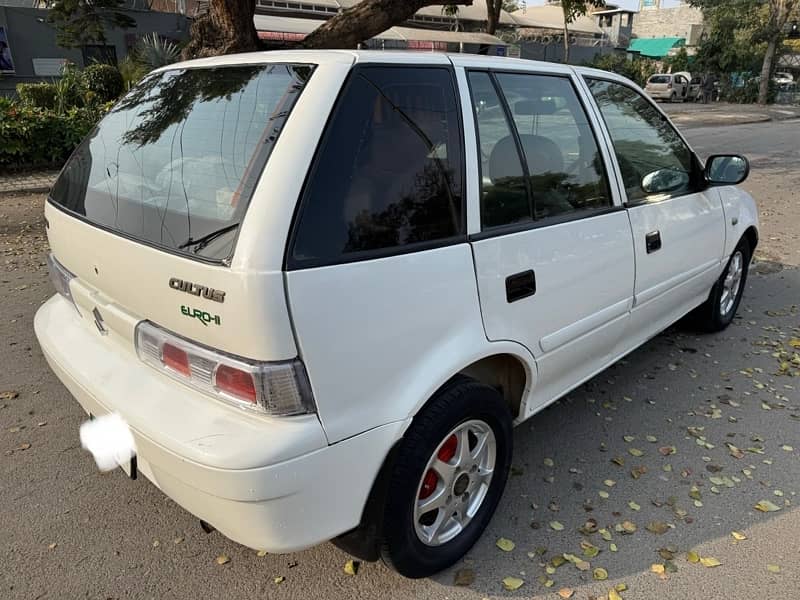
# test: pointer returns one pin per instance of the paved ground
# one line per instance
(70, 532)
(694, 114)
(27, 181)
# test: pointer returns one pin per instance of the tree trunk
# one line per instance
(366, 20)
(227, 28)
(566, 41)
(493, 8)
(766, 71)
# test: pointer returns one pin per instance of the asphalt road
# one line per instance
(67, 531)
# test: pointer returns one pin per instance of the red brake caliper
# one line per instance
(445, 454)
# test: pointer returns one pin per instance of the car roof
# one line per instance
(362, 56)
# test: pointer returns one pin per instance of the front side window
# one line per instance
(175, 162)
(649, 151)
(387, 176)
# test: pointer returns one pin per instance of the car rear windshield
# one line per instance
(659, 79)
(175, 162)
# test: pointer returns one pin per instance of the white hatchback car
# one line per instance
(321, 287)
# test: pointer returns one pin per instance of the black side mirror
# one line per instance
(727, 169)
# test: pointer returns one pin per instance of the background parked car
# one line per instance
(669, 86)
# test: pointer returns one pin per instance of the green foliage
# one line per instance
(637, 69)
(153, 52)
(37, 95)
(678, 62)
(35, 137)
(131, 71)
(577, 8)
(81, 22)
(104, 81)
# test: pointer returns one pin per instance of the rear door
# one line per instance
(678, 223)
(553, 254)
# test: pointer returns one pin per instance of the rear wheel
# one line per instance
(448, 477)
(716, 313)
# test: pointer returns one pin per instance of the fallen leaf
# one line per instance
(52, 546)
(651, 438)
(666, 553)
(545, 581)
(667, 450)
(557, 561)
(279, 579)
(566, 593)
(24, 446)
(582, 565)
(613, 547)
(778, 493)
(738, 535)
(512, 583)
(505, 545)
(261, 553)
(609, 483)
(8, 395)
(766, 506)
(620, 587)
(734, 451)
(709, 561)
(222, 559)
(637, 472)
(693, 557)
(657, 568)
(773, 568)
(634, 506)
(556, 526)
(602, 494)
(626, 527)
(787, 448)
(156, 543)
(635, 452)
(613, 595)
(657, 527)
(600, 574)
(548, 462)
(605, 534)
(351, 567)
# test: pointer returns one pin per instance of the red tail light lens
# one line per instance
(175, 358)
(235, 382)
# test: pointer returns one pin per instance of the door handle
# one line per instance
(652, 241)
(520, 285)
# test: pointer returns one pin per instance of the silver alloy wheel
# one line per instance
(731, 283)
(462, 481)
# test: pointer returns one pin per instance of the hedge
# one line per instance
(104, 81)
(35, 137)
(38, 95)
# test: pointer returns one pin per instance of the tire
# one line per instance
(460, 409)
(716, 313)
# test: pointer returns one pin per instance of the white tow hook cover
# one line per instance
(110, 441)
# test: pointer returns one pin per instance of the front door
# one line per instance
(677, 221)
(554, 255)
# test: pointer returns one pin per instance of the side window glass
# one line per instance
(504, 199)
(648, 148)
(389, 170)
(563, 160)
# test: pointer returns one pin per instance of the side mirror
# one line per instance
(727, 169)
(665, 181)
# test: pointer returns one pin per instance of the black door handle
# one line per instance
(520, 285)
(652, 241)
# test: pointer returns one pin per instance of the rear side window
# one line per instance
(176, 160)
(387, 177)
(659, 79)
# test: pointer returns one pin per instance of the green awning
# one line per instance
(655, 47)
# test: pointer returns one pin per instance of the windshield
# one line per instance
(659, 79)
(175, 162)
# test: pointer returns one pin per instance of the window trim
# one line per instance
(292, 264)
(558, 219)
(702, 184)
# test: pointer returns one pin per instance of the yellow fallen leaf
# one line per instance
(279, 579)
(766, 506)
(693, 557)
(794, 342)
(600, 574)
(709, 561)
(602, 494)
(773, 568)
(504, 544)
(787, 448)
(634, 506)
(620, 587)
(556, 526)
(52, 546)
(613, 595)
(613, 547)
(609, 483)
(651, 438)
(737, 535)
(512, 583)
(657, 568)
(566, 593)
(222, 559)
(635, 452)
(351, 567)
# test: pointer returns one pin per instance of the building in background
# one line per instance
(616, 24)
(656, 21)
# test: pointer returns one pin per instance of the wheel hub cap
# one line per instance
(455, 482)
(731, 283)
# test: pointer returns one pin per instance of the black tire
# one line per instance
(461, 400)
(710, 316)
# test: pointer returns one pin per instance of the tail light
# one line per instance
(60, 278)
(669, 86)
(273, 388)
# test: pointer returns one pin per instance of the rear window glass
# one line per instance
(659, 79)
(388, 175)
(176, 160)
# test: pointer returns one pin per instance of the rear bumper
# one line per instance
(657, 95)
(200, 453)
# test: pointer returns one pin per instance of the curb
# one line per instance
(34, 189)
